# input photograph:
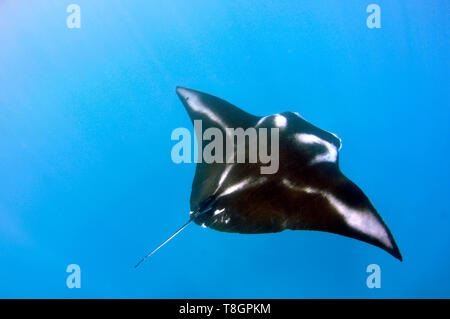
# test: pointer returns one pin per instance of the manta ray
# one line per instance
(307, 192)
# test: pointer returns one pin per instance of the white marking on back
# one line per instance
(280, 120)
(329, 156)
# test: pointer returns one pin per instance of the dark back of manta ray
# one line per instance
(307, 192)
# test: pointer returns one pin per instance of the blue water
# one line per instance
(86, 116)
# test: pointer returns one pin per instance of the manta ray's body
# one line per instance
(308, 192)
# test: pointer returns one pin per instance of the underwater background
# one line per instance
(86, 116)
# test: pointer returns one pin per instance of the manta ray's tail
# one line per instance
(165, 242)
(204, 207)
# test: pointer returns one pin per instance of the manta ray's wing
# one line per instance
(307, 193)
(330, 202)
(212, 112)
